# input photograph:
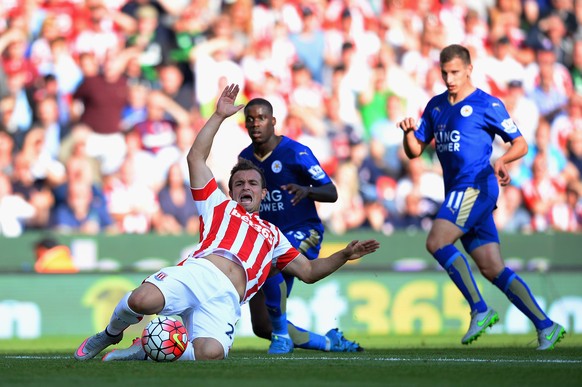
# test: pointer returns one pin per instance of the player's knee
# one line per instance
(433, 245)
(489, 272)
(208, 349)
(145, 300)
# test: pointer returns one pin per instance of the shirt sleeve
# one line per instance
(207, 197)
(497, 118)
(284, 252)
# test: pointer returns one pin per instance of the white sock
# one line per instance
(188, 353)
(122, 317)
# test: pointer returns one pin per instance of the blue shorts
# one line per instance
(307, 240)
(471, 209)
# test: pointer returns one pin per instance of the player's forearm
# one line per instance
(322, 267)
(517, 150)
(326, 193)
(413, 147)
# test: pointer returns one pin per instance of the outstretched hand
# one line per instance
(357, 249)
(225, 106)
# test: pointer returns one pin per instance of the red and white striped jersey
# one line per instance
(227, 229)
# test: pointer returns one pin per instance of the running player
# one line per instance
(463, 122)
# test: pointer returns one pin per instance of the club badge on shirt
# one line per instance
(277, 166)
(466, 111)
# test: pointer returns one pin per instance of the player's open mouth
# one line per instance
(246, 199)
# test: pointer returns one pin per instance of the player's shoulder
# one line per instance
(438, 99)
(294, 147)
(247, 152)
(488, 99)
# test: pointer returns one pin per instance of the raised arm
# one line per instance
(200, 174)
(310, 271)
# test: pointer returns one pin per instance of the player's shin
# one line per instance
(519, 294)
(275, 289)
(456, 265)
(122, 317)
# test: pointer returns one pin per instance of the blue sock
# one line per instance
(275, 289)
(519, 294)
(456, 265)
(306, 339)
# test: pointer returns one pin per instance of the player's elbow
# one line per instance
(333, 195)
(307, 276)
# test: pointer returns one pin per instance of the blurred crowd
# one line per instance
(100, 101)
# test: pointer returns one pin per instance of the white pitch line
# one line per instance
(436, 360)
(386, 359)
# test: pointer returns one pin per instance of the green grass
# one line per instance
(494, 360)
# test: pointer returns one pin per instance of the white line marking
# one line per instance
(436, 360)
(361, 359)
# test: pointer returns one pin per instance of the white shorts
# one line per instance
(203, 297)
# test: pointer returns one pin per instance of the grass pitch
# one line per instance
(494, 360)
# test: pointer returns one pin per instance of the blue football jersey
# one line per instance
(290, 162)
(464, 135)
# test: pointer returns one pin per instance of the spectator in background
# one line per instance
(131, 203)
(567, 123)
(34, 189)
(217, 56)
(63, 66)
(189, 27)
(348, 212)
(310, 44)
(135, 109)
(14, 210)
(558, 165)
(40, 48)
(47, 113)
(305, 92)
(425, 184)
(81, 212)
(102, 95)
(544, 197)
(522, 109)
(372, 100)
(20, 76)
(75, 146)
(152, 40)
(177, 214)
(550, 99)
(574, 148)
(7, 152)
(172, 84)
(98, 35)
(413, 217)
(158, 131)
(511, 215)
(497, 69)
(554, 75)
(42, 164)
(383, 132)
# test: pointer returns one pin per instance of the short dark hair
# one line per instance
(259, 102)
(455, 51)
(246, 165)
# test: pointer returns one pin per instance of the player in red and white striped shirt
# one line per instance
(229, 265)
